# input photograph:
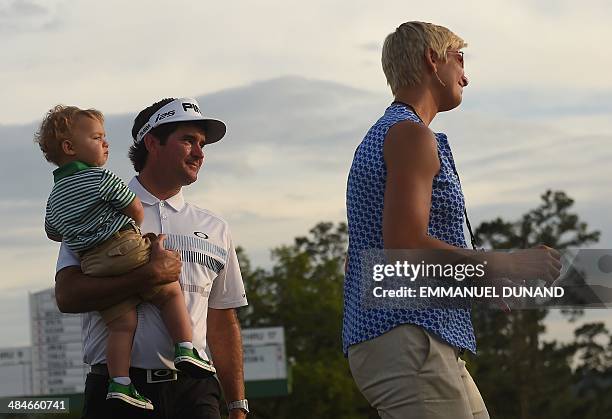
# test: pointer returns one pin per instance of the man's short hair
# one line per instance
(57, 126)
(138, 151)
(403, 55)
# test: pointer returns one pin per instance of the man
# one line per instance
(167, 153)
(404, 193)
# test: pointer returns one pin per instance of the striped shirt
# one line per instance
(210, 278)
(84, 207)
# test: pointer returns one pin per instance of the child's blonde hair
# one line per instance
(57, 126)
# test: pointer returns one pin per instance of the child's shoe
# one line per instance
(190, 362)
(127, 394)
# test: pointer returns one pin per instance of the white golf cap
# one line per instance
(184, 110)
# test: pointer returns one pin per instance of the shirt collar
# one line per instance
(176, 202)
(69, 169)
(440, 136)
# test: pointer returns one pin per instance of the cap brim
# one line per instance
(214, 130)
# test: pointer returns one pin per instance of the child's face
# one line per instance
(89, 141)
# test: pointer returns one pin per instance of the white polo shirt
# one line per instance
(210, 277)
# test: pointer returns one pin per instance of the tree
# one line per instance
(304, 292)
(519, 376)
(593, 373)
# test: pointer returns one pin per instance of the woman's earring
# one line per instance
(438, 77)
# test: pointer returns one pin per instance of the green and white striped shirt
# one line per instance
(84, 206)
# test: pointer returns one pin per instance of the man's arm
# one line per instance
(225, 342)
(76, 292)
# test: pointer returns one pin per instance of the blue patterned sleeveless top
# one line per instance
(364, 201)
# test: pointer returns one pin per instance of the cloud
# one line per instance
(340, 43)
(284, 164)
(22, 8)
(371, 47)
(532, 117)
(554, 9)
(539, 102)
(21, 16)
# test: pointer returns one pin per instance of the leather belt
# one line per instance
(151, 375)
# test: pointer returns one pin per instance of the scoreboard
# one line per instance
(57, 354)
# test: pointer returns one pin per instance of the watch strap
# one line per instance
(239, 404)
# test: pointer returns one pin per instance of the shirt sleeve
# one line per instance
(228, 288)
(114, 191)
(66, 258)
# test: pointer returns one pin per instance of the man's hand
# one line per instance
(164, 265)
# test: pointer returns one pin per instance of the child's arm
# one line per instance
(54, 238)
(134, 211)
(114, 191)
(52, 233)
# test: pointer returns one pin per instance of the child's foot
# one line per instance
(190, 362)
(127, 394)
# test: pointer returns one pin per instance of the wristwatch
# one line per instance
(239, 404)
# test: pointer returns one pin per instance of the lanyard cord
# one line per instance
(467, 220)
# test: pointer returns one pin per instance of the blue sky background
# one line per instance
(298, 85)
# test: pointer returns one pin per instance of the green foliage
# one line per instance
(593, 375)
(551, 224)
(303, 293)
(519, 375)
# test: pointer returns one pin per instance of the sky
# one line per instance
(298, 85)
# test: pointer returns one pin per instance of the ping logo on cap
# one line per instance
(194, 106)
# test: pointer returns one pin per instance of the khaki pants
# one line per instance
(123, 252)
(408, 373)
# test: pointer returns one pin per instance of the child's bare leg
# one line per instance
(171, 304)
(119, 344)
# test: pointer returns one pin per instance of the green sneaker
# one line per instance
(190, 362)
(127, 394)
